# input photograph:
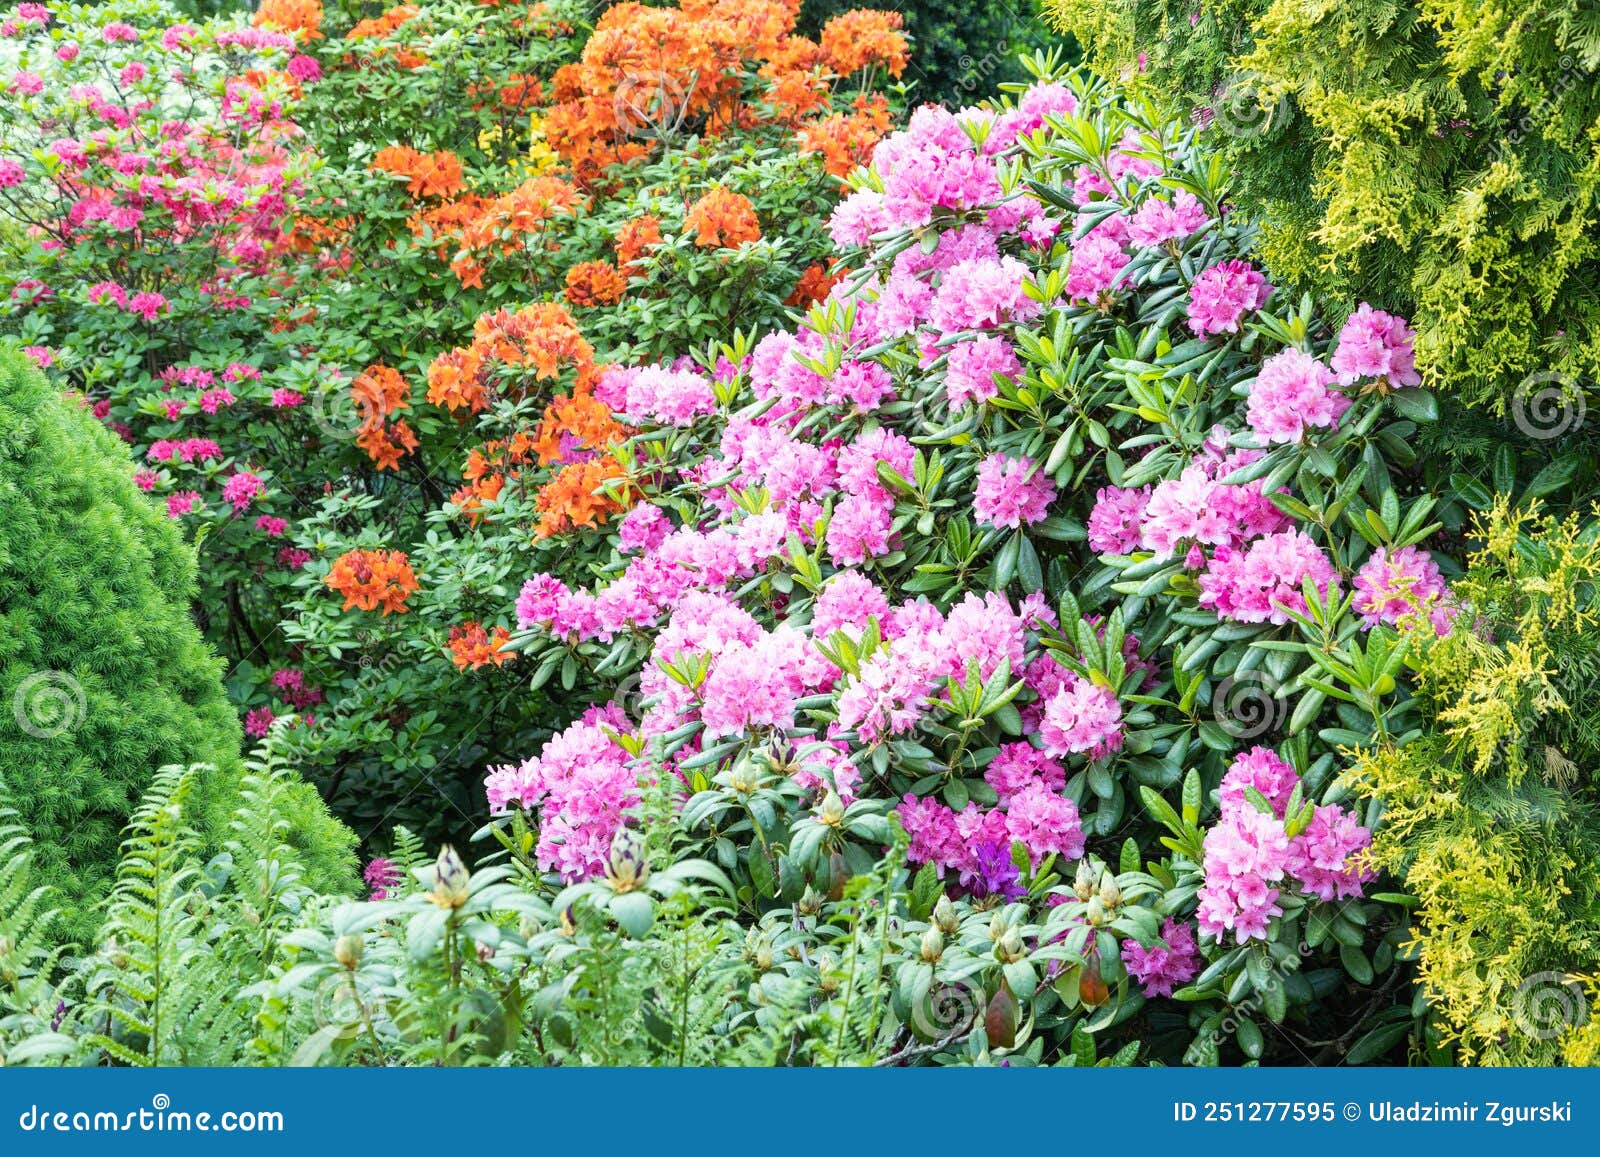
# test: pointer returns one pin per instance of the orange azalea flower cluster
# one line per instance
(541, 337)
(845, 140)
(473, 647)
(371, 579)
(301, 19)
(813, 287)
(496, 226)
(574, 498)
(648, 72)
(427, 174)
(378, 392)
(382, 27)
(595, 283)
(575, 425)
(515, 93)
(634, 238)
(862, 38)
(385, 25)
(721, 219)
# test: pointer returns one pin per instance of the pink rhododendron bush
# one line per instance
(1058, 539)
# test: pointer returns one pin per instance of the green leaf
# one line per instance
(634, 912)
(1378, 1042)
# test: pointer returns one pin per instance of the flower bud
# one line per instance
(626, 868)
(1097, 911)
(569, 926)
(945, 917)
(743, 779)
(347, 951)
(810, 901)
(1110, 894)
(831, 812)
(450, 879)
(932, 945)
(997, 927)
(1083, 882)
(1011, 949)
(763, 957)
(827, 979)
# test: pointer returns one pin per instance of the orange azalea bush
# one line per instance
(378, 392)
(426, 174)
(864, 39)
(651, 75)
(595, 283)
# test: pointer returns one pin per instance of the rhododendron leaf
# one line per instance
(1028, 568)
(956, 795)
(762, 878)
(1553, 477)
(634, 912)
(1355, 962)
(1191, 797)
(1005, 562)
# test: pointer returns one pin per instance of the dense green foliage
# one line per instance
(960, 50)
(1440, 158)
(103, 676)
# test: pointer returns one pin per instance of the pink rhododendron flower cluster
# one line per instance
(1012, 492)
(1401, 586)
(1158, 220)
(1199, 508)
(585, 783)
(1223, 294)
(1082, 718)
(1174, 960)
(1042, 821)
(971, 368)
(1374, 344)
(1264, 582)
(1293, 393)
(1250, 859)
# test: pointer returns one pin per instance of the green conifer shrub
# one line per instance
(1438, 158)
(104, 677)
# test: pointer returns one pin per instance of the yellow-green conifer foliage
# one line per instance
(1439, 158)
(1490, 816)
